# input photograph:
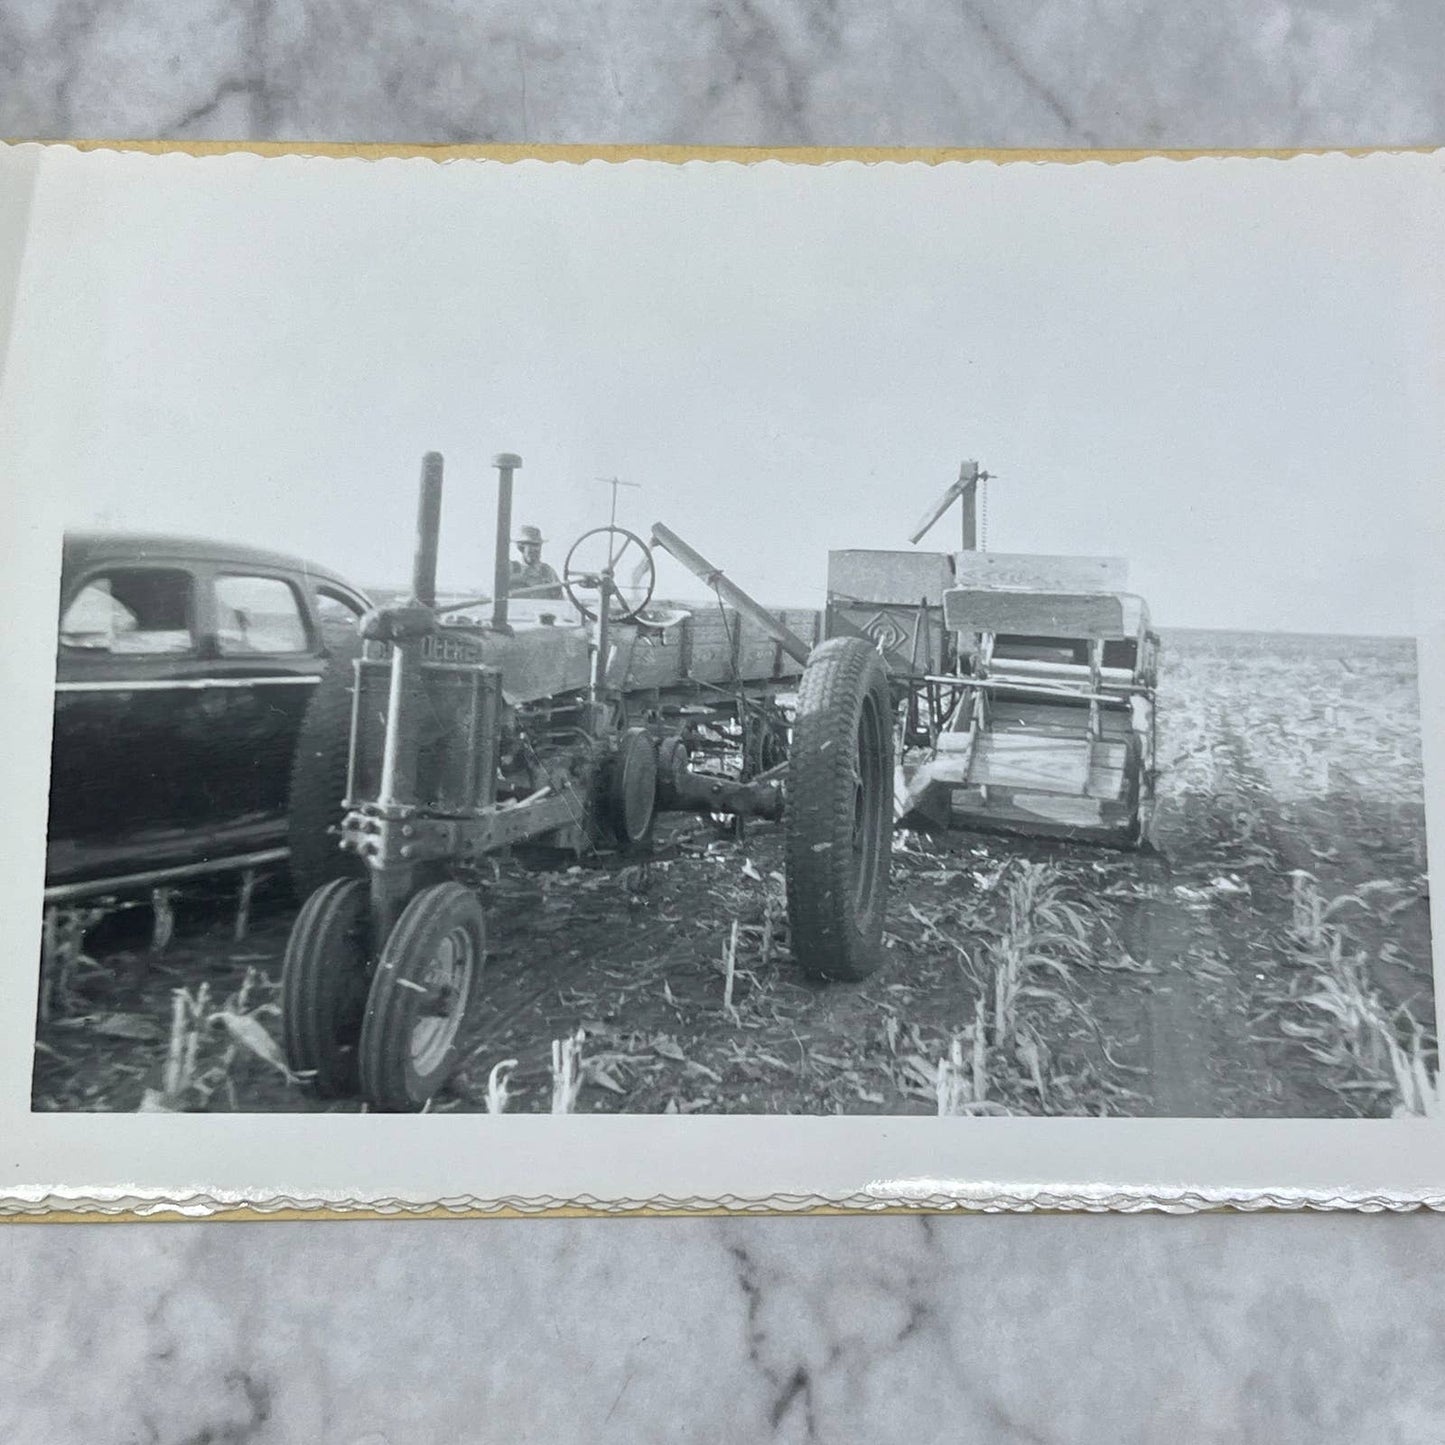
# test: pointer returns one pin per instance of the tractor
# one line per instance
(453, 735)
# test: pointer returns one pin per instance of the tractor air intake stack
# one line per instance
(506, 463)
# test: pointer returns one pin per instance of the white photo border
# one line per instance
(195, 1166)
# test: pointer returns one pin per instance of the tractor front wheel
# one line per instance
(424, 998)
(839, 814)
(324, 982)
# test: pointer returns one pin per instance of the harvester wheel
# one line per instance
(839, 814)
(318, 778)
(324, 981)
(424, 997)
(1140, 801)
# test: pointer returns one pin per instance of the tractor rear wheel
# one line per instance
(318, 778)
(839, 814)
(631, 796)
(424, 998)
(324, 982)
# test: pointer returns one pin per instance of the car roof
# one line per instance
(85, 549)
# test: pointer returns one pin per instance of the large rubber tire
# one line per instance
(408, 1049)
(839, 814)
(318, 779)
(324, 982)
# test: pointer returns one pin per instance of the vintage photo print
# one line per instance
(720, 681)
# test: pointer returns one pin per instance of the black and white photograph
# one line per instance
(810, 640)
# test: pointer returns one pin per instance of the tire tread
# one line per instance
(826, 939)
(308, 998)
(387, 1080)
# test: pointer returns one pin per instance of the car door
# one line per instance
(266, 653)
(338, 610)
(129, 657)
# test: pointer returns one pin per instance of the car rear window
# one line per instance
(258, 615)
(135, 611)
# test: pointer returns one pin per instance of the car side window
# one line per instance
(132, 611)
(258, 615)
(338, 616)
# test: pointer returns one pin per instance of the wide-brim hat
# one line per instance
(528, 535)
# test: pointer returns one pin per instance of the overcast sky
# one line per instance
(1209, 368)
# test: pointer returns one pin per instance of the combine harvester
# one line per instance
(943, 687)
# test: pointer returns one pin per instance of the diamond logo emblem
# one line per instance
(884, 632)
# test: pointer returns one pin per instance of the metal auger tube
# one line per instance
(730, 592)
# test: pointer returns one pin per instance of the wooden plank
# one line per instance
(757, 651)
(1056, 719)
(1033, 614)
(655, 662)
(1026, 812)
(883, 577)
(1107, 771)
(1033, 764)
(710, 656)
(1040, 572)
(703, 643)
(803, 622)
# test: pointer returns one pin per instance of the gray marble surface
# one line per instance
(1045, 1329)
(985, 1329)
(730, 72)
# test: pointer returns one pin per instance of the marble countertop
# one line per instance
(729, 1332)
(982, 1329)
(1112, 73)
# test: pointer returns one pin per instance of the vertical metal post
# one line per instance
(398, 758)
(428, 531)
(506, 463)
(243, 906)
(399, 754)
(602, 641)
(968, 496)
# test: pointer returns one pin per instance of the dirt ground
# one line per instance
(1232, 969)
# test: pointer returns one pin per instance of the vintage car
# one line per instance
(183, 673)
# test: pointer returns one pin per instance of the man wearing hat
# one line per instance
(532, 577)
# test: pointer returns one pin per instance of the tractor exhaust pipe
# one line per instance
(506, 463)
(428, 529)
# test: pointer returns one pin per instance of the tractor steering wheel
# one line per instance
(602, 561)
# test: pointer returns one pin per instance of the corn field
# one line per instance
(1269, 957)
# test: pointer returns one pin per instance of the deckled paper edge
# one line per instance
(42, 1204)
(895, 1197)
(514, 154)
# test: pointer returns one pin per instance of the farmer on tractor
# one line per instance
(532, 577)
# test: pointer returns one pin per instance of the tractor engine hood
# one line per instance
(536, 661)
